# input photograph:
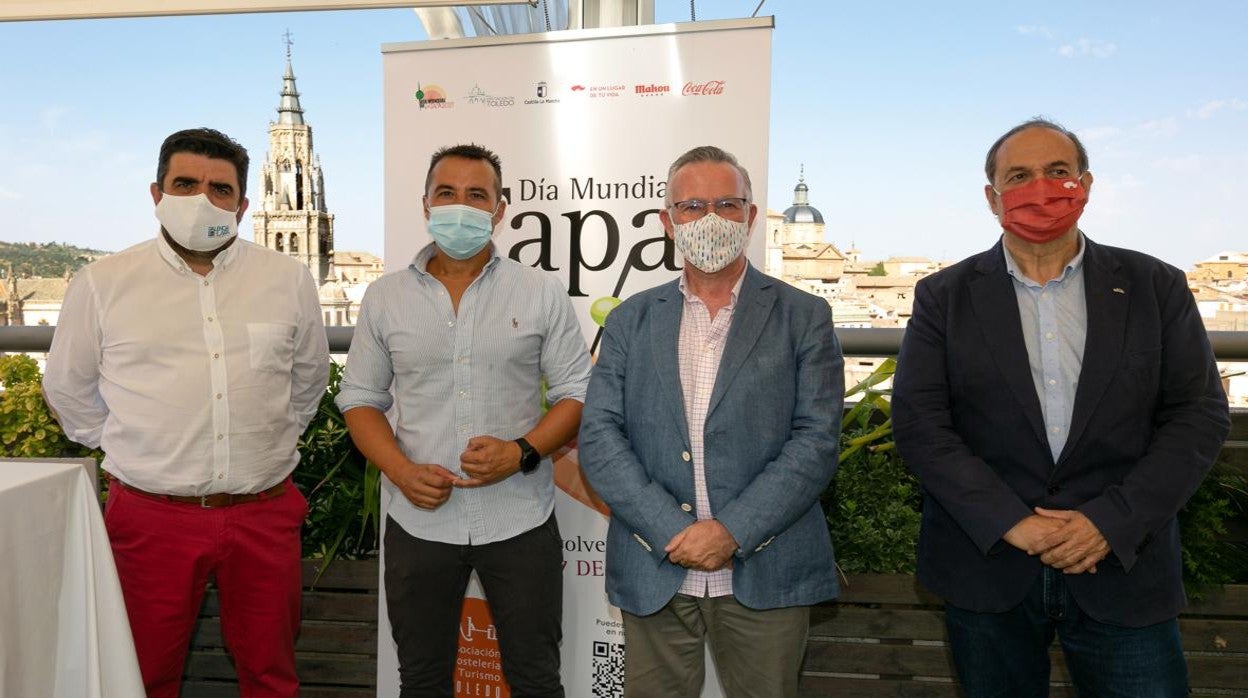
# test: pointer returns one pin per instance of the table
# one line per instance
(63, 626)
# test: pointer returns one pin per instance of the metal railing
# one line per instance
(1227, 346)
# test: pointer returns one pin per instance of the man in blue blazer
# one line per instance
(710, 427)
(1059, 402)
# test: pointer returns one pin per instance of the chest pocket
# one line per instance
(272, 346)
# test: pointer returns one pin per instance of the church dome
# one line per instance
(332, 292)
(801, 211)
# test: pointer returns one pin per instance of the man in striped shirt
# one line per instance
(466, 337)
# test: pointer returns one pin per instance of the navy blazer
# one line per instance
(1149, 417)
(771, 441)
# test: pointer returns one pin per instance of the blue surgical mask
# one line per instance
(460, 231)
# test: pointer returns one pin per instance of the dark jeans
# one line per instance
(1007, 654)
(523, 582)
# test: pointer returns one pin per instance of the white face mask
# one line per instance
(710, 243)
(194, 223)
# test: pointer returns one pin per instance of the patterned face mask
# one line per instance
(710, 243)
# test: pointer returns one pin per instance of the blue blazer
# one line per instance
(771, 441)
(1148, 419)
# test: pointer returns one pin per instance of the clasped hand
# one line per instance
(704, 545)
(485, 460)
(1064, 539)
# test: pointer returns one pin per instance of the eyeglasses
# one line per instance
(731, 207)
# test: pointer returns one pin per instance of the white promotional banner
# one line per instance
(586, 124)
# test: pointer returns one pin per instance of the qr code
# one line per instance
(608, 670)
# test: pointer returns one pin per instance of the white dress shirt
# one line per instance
(191, 384)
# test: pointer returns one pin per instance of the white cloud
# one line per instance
(1208, 109)
(1163, 127)
(1099, 134)
(1187, 164)
(1036, 29)
(1087, 47)
(51, 117)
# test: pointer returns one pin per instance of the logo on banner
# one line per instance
(432, 97)
(479, 96)
(542, 91)
(702, 89)
(478, 665)
(652, 90)
(600, 91)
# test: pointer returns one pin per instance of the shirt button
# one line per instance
(1055, 430)
(686, 507)
(463, 393)
(220, 436)
(205, 282)
(218, 396)
(684, 455)
(209, 318)
(216, 356)
(450, 323)
(1052, 381)
(221, 477)
(1048, 336)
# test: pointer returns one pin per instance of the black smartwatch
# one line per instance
(529, 457)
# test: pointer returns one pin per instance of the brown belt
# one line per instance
(208, 501)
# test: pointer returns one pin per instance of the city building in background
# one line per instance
(293, 217)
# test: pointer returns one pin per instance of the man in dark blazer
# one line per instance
(710, 427)
(1059, 402)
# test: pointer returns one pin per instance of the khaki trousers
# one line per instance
(758, 654)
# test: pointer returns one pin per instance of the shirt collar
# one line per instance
(1011, 266)
(683, 285)
(173, 259)
(420, 263)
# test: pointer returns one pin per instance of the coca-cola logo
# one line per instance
(710, 87)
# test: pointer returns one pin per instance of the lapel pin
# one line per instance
(1119, 290)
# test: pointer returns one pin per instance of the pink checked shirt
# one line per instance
(701, 347)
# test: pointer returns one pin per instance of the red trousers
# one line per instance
(165, 552)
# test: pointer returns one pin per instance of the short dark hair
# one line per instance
(469, 151)
(990, 163)
(209, 143)
(708, 153)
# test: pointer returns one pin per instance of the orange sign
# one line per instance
(479, 668)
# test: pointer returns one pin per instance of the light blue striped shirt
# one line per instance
(1055, 327)
(472, 374)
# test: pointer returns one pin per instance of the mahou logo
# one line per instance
(710, 87)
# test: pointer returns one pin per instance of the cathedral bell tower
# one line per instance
(293, 218)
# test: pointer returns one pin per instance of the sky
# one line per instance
(890, 108)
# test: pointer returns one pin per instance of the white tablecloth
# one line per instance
(63, 627)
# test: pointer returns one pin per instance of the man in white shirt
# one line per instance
(195, 360)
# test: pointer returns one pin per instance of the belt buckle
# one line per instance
(203, 502)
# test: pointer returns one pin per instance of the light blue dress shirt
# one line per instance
(459, 376)
(1055, 327)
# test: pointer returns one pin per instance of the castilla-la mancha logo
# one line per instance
(701, 89)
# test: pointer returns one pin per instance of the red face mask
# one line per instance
(1044, 209)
